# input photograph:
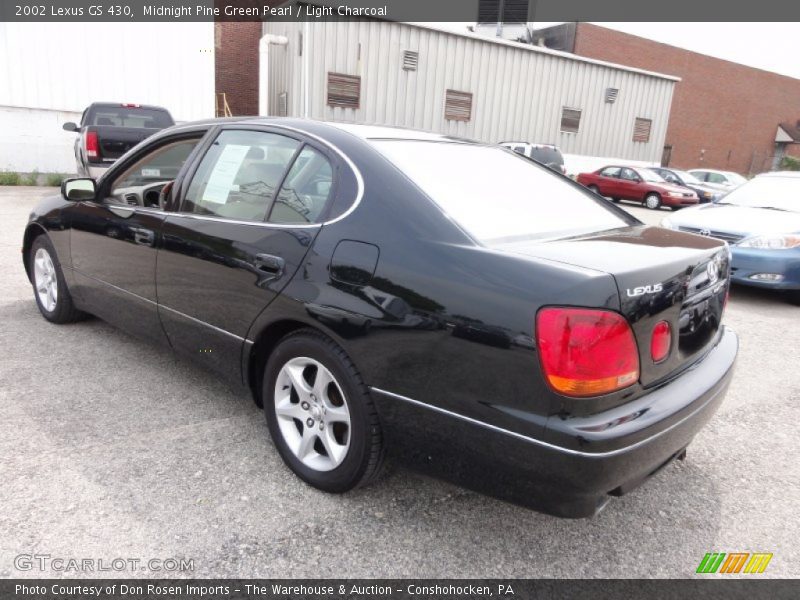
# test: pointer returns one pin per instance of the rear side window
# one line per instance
(123, 116)
(240, 174)
(610, 172)
(496, 196)
(305, 191)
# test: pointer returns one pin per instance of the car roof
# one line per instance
(783, 174)
(379, 132)
(533, 145)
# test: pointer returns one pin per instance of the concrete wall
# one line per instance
(729, 110)
(518, 90)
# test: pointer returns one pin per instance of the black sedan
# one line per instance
(704, 192)
(378, 290)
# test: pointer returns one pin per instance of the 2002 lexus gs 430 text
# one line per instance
(389, 290)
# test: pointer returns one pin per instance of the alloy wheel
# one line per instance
(312, 413)
(46, 280)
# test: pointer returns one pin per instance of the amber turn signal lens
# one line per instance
(586, 352)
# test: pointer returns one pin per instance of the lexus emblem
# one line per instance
(705, 232)
(713, 271)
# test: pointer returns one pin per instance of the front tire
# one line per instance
(320, 414)
(652, 201)
(49, 287)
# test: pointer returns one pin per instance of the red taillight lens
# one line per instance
(586, 352)
(92, 147)
(661, 342)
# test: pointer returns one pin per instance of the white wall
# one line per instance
(50, 71)
(33, 139)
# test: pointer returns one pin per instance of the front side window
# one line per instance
(497, 196)
(162, 165)
(240, 174)
(629, 174)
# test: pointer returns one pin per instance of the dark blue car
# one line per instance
(761, 222)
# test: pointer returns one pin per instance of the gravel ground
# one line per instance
(114, 449)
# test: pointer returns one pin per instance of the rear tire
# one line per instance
(652, 201)
(615, 200)
(320, 413)
(49, 287)
(594, 188)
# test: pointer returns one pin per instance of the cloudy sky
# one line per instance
(769, 46)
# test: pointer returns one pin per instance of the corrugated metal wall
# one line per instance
(518, 92)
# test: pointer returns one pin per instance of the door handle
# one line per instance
(145, 237)
(269, 263)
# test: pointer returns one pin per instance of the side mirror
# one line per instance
(76, 190)
(70, 127)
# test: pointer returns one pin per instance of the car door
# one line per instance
(246, 221)
(114, 238)
(608, 182)
(630, 187)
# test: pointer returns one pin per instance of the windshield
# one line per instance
(735, 178)
(781, 193)
(651, 176)
(498, 196)
(687, 177)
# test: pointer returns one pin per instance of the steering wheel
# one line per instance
(163, 195)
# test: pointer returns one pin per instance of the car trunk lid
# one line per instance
(661, 275)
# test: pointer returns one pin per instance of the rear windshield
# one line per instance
(498, 196)
(547, 155)
(122, 116)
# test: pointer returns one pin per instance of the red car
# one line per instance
(639, 184)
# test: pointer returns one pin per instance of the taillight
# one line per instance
(92, 146)
(586, 352)
(661, 341)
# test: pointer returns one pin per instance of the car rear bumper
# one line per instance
(585, 460)
(750, 262)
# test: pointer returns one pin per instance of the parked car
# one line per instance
(638, 184)
(378, 289)
(705, 193)
(724, 181)
(545, 154)
(761, 222)
(107, 131)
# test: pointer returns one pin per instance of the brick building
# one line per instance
(236, 65)
(724, 115)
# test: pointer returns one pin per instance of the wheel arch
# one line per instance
(32, 231)
(265, 343)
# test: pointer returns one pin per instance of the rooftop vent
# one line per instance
(410, 60)
(611, 95)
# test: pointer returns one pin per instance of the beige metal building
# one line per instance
(413, 75)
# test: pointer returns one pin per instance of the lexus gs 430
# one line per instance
(390, 291)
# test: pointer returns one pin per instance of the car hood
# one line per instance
(669, 187)
(738, 219)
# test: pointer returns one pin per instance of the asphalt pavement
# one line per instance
(114, 449)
